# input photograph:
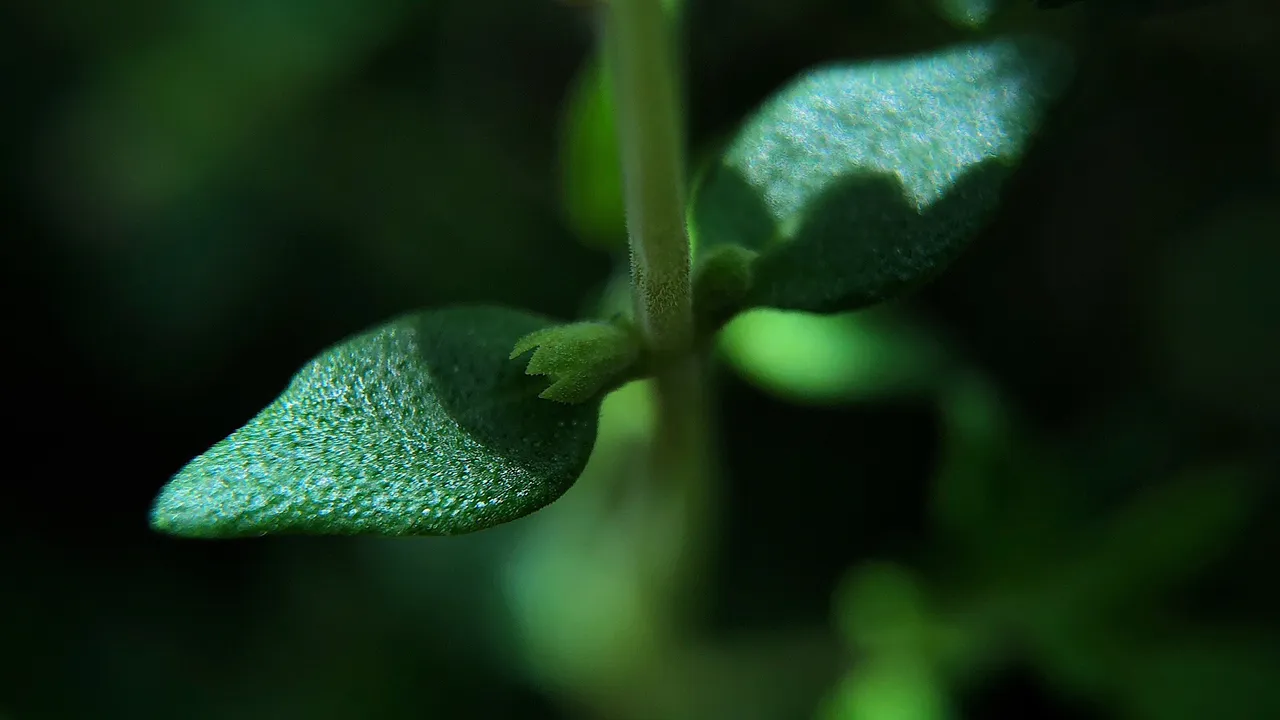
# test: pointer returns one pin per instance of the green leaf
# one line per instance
(420, 427)
(802, 357)
(582, 359)
(859, 181)
(1077, 614)
(591, 164)
(1003, 502)
(977, 460)
(1162, 540)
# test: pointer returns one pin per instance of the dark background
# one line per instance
(197, 197)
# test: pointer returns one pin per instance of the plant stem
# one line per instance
(639, 38)
(639, 43)
(675, 509)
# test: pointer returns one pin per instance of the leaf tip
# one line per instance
(527, 343)
(191, 506)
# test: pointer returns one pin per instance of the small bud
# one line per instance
(721, 282)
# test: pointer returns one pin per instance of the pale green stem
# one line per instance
(639, 38)
(640, 48)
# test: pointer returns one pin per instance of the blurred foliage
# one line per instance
(833, 358)
(1043, 486)
(889, 689)
(590, 160)
(592, 165)
(1075, 596)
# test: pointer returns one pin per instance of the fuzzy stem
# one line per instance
(638, 42)
(640, 47)
(639, 37)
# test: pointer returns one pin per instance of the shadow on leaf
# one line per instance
(491, 397)
(863, 241)
(727, 210)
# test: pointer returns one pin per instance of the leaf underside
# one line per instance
(419, 427)
(857, 182)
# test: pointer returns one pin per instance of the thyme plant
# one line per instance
(851, 185)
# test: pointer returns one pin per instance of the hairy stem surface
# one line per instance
(639, 38)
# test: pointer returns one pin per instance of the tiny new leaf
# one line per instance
(721, 281)
(857, 182)
(582, 359)
(420, 427)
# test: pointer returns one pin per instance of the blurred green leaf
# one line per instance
(1001, 498)
(744, 678)
(883, 610)
(775, 675)
(1164, 538)
(591, 166)
(811, 358)
(977, 440)
(582, 358)
(590, 157)
(889, 689)
(420, 427)
(583, 584)
(859, 181)
(1081, 618)
(613, 297)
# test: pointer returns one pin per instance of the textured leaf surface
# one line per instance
(420, 427)
(857, 182)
